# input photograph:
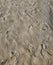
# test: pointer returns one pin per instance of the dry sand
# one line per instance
(26, 32)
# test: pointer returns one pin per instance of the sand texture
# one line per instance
(26, 32)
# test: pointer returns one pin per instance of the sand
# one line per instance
(26, 32)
